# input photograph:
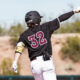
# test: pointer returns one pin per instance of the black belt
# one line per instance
(33, 58)
(45, 59)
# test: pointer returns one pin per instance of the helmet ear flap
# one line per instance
(26, 19)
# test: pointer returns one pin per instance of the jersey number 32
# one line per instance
(34, 42)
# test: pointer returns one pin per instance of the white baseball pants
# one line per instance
(43, 70)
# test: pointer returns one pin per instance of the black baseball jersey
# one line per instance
(38, 38)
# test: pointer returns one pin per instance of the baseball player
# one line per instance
(37, 38)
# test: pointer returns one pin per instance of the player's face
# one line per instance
(30, 25)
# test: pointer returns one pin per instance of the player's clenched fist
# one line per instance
(77, 10)
(14, 66)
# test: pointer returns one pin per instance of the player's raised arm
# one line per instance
(68, 15)
(19, 49)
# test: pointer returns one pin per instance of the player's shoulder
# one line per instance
(24, 33)
(44, 24)
(51, 22)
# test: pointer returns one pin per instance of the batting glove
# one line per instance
(77, 10)
(14, 67)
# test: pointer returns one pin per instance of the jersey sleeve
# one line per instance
(66, 16)
(19, 47)
(53, 25)
(22, 39)
(20, 44)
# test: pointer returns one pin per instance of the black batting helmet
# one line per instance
(33, 17)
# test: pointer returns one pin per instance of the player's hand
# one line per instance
(77, 10)
(14, 67)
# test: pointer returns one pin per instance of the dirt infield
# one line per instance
(62, 67)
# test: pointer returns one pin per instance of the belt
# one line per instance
(35, 58)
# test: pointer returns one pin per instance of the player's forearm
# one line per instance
(65, 16)
(18, 51)
(68, 15)
(17, 56)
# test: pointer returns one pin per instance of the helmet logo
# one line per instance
(30, 21)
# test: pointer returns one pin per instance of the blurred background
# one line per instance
(65, 41)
